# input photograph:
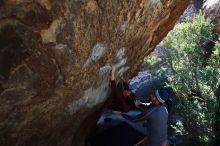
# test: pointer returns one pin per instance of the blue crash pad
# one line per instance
(122, 134)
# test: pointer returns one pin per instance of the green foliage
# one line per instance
(194, 83)
(212, 70)
(153, 63)
(194, 80)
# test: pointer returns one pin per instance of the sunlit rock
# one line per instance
(212, 11)
(193, 8)
(55, 59)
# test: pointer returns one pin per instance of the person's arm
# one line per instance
(117, 95)
(137, 103)
(124, 82)
(143, 116)
(113, 73)
(113, 83)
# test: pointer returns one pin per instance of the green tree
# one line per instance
(194, 80)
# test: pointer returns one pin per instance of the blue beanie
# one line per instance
(162, 95)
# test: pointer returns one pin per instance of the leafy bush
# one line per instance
(194, 77)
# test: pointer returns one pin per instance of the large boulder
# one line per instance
(193, 8)
(212, 11)
(55, 59)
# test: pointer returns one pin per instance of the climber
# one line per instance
(122, 97)
(156, 117)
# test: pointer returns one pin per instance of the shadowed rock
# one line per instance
(55, 59)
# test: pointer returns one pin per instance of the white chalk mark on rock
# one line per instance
(98, 51)
(154, 2)
(105, 70)
(120, 53)
(91, 98)
(61, 46)
(124, 26)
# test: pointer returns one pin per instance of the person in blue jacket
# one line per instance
(156, 117)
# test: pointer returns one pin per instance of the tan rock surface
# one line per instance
(55, 59)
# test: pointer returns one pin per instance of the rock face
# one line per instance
(193, 8)
(212, 11)
(55, 59)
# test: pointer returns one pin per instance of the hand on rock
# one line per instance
(113, 69)
(113, 73)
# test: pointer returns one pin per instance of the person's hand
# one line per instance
(137, 103)
(113, 69)
(113, 73)
(117, 113)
